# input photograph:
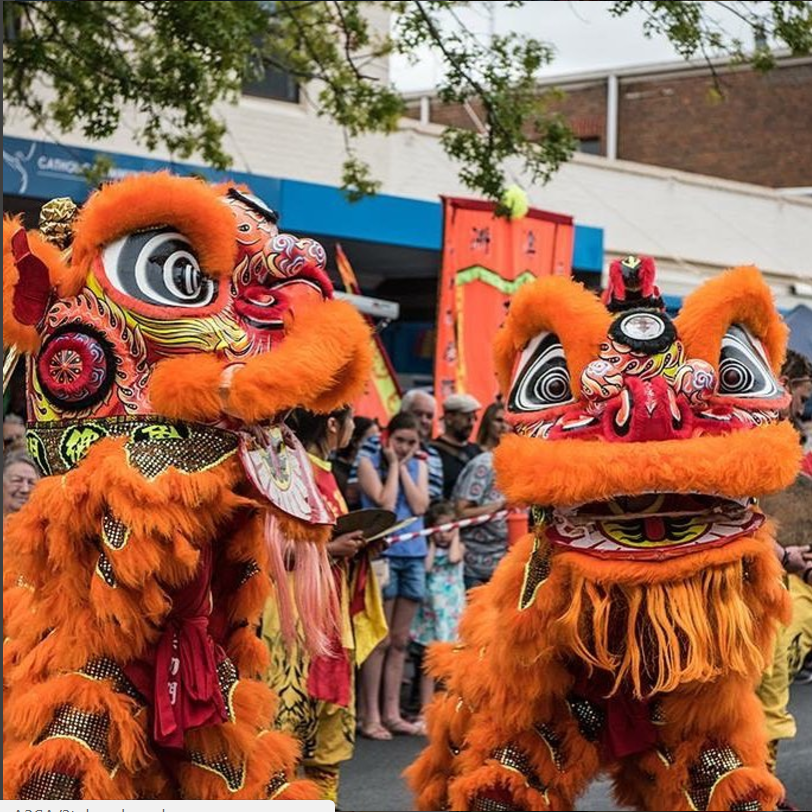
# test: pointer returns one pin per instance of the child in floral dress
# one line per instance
(439, 615)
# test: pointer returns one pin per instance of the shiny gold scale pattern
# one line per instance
(104, 569)
(50, 787)
(115, 533)
(515, 759)
(746, 806)
(232, 774)
(553, 742)
(227, 677)
(589, 716)
(105, 669)
(536, 572)
(88, 729)
(153, 445)
(703, 775)
(204, 448)
(277, 784)
(481, 803)
(250, 569)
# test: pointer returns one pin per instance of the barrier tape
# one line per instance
(442, 528)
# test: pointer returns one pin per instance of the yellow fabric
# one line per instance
(326, 778)
(369, 626)
(791, 646)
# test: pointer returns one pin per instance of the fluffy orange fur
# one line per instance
(738, 296)
(690, 633)
(322, 364)
(140, 201)
(755, 462)
(169, 517)
(558, 305)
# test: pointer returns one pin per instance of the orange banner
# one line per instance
(485, 260)
(381, 398)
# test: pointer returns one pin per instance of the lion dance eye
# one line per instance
(542, 380)
(744, 370)
(158, 267)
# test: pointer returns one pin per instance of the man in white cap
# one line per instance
(460, 412)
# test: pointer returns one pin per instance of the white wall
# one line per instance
(693, 225)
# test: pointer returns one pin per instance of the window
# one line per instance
(591, 146)
(273, 84)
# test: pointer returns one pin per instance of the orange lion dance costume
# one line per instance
(165, 343)
(627, 632)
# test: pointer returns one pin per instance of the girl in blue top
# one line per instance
(395, 478)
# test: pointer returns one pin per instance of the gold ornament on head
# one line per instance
(56, 221)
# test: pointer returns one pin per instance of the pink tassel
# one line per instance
(316, 598)
(277, 543)
(314, 588)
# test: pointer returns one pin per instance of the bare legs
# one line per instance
(385, 665)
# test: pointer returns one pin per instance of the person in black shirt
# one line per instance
(460, 414)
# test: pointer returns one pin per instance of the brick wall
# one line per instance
(759, 130)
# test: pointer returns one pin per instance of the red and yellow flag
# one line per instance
(381, 398)
(486, 259)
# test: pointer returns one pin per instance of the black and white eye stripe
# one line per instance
(744, 371)
(542, 380)
(158, 267)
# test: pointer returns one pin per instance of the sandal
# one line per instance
(400, 727)
(419, 725)
(376, 732)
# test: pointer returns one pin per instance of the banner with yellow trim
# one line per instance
(486, 259)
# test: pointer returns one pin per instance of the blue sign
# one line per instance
(44, 170)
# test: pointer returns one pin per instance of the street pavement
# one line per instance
(372, 780)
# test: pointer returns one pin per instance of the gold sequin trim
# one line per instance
(536, 572)
(105, 669)
(553, 742)
(588, 715)
(114, 532)
(482, 804)
(664, 754)
(516, 760)
(104, 569)
(657, 713)
(250, 569)
(87, 729)
(153, 444)
(278, 783)
(228, 678)
(714, 764)
(232, 774)
(50, 787)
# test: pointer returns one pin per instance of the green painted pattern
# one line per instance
(476, 273)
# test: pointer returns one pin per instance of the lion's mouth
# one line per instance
(652, 525)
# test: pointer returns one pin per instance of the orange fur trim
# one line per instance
(322, 364)
(738, 296)
(755, 462)
(66, 756)
(746, 784)
(558, 305)
(141, 201)
(187, 387)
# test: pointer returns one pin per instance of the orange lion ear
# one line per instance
(557, 305)
(738, 296)
(30, 267)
